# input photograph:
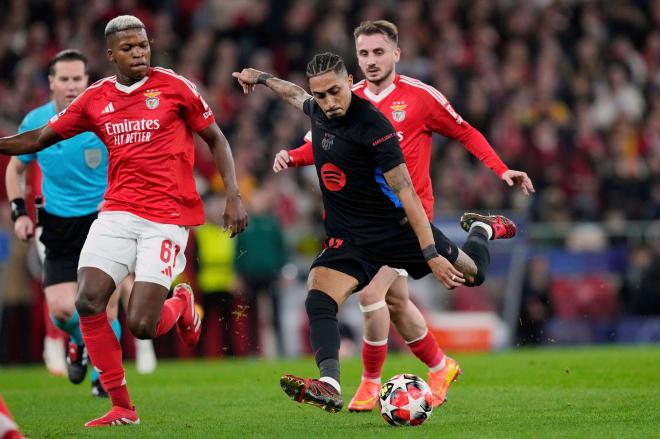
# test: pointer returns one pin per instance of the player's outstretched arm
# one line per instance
(518, 178)
(398, 179)
(235, 217)
(476, 143)
(288, 91)
(29, 141)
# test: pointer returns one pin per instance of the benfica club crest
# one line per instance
(398, 110)
(152, 99)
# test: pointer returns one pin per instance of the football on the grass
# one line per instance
(405, 399)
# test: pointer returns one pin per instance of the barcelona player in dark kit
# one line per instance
(373, 217)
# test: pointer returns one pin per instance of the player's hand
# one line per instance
(282, 160)
(446, 273)
(518, 178)
(235, 217)
(24, 228)
(247, 78)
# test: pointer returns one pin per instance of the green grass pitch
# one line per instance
(610, 392)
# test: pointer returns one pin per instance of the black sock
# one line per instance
(329, 368)
(324, 332)
(476, 247)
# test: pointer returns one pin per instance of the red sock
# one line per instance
(373, 358)
(427, 350)
(3, 408)
(105, 353)
(172, 309)
(8, 428)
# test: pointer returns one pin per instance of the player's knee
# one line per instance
(396, 305)
(142, 328)
(320, 305)
(369, 295)
(61, 312)
(88, 304)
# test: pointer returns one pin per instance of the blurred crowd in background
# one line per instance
(568, 91)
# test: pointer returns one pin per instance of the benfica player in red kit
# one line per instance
(146, 117)
(416, 110)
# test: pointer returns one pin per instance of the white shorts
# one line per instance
(120, 243)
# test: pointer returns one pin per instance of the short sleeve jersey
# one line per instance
(351, 153)
(74, 171)
(148, 130)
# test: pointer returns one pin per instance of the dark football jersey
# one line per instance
(351, 153)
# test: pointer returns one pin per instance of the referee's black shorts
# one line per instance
(401, 251)
(64, 239)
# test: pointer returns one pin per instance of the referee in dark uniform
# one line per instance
(373, 216)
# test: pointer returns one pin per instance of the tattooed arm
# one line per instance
(288, 91)
(399, 181)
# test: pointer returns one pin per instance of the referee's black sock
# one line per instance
(476, 247)
(324, 332)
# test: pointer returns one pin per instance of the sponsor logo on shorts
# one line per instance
(167, 271)
(334, 243)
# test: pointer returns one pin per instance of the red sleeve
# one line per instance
(196, 112)
(476, 143)
(444, 120)
(72, 120)
(303, 155)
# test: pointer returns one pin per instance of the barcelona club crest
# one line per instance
(152, 99)
(398, 110)
(328, 141)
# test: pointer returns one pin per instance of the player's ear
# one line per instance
(350, 80)
(110, 56)
(51, 82)
(397, 54)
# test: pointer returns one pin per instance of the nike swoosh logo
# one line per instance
(365, 401)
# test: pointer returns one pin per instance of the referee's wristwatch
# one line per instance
(17, 208)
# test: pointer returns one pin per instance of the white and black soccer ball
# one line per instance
(405, 399)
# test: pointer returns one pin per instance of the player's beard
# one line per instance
(383, 77)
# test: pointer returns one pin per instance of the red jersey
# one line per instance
(148, 130)
(417, 110)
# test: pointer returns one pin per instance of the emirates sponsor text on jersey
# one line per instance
(131, 131)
